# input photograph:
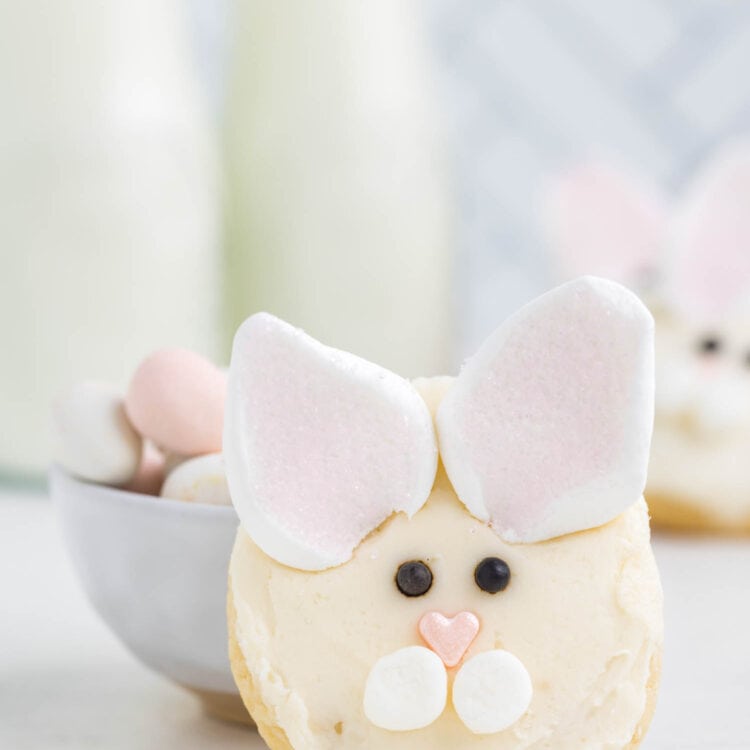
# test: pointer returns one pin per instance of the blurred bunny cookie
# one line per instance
(449, 563)
(691, 265)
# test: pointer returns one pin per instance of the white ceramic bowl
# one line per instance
(156, 571)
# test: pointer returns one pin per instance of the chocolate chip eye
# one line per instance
(709, 345)
(492, 575)
(413, 578)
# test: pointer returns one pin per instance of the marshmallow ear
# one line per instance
(711, 271)
(547, 429)
(602, 221)
(320, 446)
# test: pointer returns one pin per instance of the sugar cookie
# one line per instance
(504, 598)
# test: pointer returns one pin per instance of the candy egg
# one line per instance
(199, 480)
(93, 438)
(176, 398)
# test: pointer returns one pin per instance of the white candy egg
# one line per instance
(199, 480)
(92, 435)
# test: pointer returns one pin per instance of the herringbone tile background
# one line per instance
(529, 86)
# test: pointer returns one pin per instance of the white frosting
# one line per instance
(582, 613)
(492, 691)
(406, 690)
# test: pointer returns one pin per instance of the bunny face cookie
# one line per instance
(691, 265)
(449, 563)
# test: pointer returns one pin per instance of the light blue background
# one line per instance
(530, 86)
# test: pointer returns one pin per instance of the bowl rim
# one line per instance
(58, 475)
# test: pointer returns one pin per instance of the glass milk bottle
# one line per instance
(108, 195)
(339, 216)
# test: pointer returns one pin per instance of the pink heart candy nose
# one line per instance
(449, 637)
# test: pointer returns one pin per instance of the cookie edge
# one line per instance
(672, 514)
(274, 736)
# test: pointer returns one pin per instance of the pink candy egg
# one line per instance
(150, 475)
(176, 399)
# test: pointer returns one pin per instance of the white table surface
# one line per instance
(65, 682)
